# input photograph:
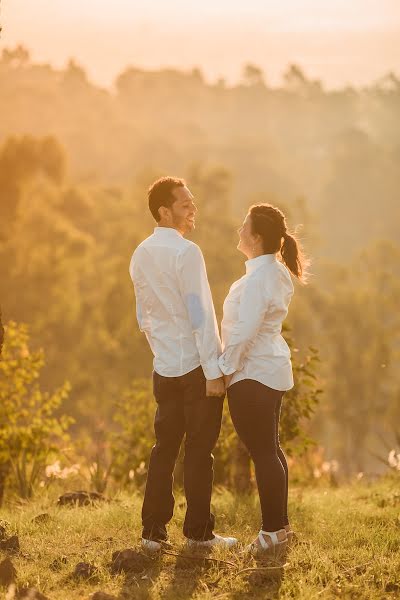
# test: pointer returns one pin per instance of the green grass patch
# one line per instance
(348, 546)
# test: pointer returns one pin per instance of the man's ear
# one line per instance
(164, 213)
(258, 238)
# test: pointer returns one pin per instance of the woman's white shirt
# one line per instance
(254, 310)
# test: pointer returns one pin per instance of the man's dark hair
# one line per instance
(160, 194)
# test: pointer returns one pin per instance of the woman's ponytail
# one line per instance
(293, 257)
(270, 223)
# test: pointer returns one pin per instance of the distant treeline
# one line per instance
(75, 162)
(339, 149)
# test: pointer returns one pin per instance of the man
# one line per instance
(175, 310)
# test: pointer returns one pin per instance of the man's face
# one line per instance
(183, 210)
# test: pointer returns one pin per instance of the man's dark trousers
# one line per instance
(182, 408)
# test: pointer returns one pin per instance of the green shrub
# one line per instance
(30, 429)
(132, 443)
(134, 416)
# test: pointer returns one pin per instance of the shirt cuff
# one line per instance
(211, 370)
(224, 368)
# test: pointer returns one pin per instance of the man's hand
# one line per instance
(227, 379)
(215, 387)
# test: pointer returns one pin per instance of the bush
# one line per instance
(131, 445)
(135, 415)
(30, 430)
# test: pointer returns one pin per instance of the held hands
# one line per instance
(215, 387)
(227, 379)
(218, 387)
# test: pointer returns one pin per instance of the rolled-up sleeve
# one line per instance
(196, 293)
(253, 305)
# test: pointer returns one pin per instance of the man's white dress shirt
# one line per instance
(174, 306)
(256, 306)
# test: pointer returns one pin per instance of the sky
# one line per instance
(338, 41)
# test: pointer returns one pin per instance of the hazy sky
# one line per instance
(339, 41)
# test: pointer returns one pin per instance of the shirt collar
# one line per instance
(254, 263)
(167, 231)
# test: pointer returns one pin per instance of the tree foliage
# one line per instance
(30, 426)
(329, 158)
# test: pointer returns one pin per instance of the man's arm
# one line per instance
(138, 285)
(197, 297)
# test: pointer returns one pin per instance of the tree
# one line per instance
(74, 75)
(21, 160)
(16, 58)
(296, 81)
(361, 326)
(253, 75)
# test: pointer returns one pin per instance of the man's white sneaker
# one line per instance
(151, 546)
(217, 541)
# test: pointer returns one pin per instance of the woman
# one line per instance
(256, 360)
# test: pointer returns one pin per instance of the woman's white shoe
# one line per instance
(269, 543)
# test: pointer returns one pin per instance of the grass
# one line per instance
(348, 546)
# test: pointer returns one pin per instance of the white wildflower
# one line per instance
(57, 472)
(53, 470)
(394, 460)
(317, 473)
(334, 466)
(326, 466)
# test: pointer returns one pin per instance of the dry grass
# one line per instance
(348, 547)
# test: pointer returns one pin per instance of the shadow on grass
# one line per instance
(263, 579)
(189, 572)
(189, 568)
(139, 585)
(186, 573)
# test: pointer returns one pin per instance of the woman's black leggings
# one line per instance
(255, 411)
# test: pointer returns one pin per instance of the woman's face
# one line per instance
(249, 243)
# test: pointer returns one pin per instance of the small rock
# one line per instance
(128, 561)
(8, 574)
(58, 562)
(80, 498)
(10, 544)
(392, 587)
(84, 571)
(42, 518)
(102, 596)
(31, 594)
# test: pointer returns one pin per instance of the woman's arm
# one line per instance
(253, 305)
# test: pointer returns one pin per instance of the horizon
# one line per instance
(329, 44)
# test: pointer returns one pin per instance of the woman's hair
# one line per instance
(270, 223)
